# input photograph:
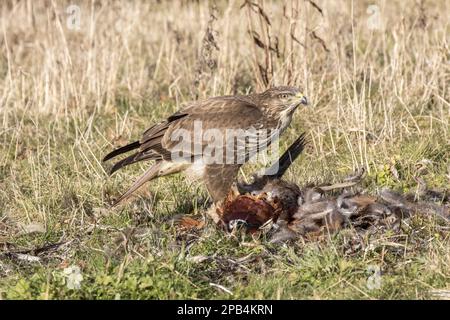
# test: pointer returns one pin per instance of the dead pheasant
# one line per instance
(298, 212)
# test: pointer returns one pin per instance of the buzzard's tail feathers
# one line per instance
(151, 173)
(128, 147)
(135, 157)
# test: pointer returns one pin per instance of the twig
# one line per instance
(221, 288)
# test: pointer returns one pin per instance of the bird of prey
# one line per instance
(269, 112)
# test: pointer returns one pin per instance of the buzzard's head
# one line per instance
(283, 98)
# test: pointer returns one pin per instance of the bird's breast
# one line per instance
(195, 171)
(284, 121)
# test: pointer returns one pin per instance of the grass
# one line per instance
(380, 99)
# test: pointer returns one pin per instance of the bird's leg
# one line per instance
(212, 212)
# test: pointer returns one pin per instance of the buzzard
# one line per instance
(261, 117)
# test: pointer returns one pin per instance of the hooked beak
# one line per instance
(302, 98)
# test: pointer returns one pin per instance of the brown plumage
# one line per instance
(271, 110)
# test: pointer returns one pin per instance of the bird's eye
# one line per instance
(283, 96)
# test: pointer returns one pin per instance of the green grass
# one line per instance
(379, 100)
(61, 184)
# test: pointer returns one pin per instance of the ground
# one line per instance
(378, 80)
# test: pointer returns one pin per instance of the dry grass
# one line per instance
(380, 99)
